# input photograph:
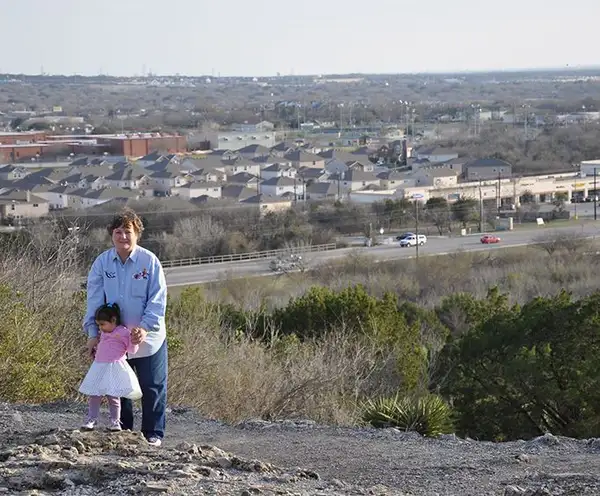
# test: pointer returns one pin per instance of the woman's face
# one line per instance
(124, 238)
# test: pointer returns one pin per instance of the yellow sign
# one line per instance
(580, 185)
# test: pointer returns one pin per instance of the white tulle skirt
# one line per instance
(111, 379)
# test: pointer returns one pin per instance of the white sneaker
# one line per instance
(154, 441)
(115, 426)
(89, 425)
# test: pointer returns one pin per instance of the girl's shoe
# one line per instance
(89, 425)
(115, 426)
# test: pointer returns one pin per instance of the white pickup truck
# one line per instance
(412, 240)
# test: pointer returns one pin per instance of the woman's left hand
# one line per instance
(138, 335)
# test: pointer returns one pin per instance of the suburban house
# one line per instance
(322, 191)
(254, 151)
(16, 205)
(395, 179)
(164, 181)
(363, 166)
(83, 198)
(311, 175)
(487, 168)
(277, 186)
(198, 189)
(240, 165)
(244, 179)
(300, 158)
(435, 154)
(125, 177)
(269, 204)
(208, 175)
(283, 148)
(278, 170)
(12, 172)
(237, 192)
(439, 177)
(56, 196)
(353, 180)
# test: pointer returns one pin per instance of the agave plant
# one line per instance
(428, 415)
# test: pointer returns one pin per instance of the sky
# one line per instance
(266, 37)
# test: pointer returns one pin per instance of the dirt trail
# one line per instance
(358, 461)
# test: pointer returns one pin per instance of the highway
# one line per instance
(183, 276)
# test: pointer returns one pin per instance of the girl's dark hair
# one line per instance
(108, 312)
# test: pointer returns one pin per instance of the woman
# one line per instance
(132, 277)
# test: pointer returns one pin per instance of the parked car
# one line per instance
(487, 239)
(405, 235)
(412, 240)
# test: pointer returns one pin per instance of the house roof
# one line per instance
(254, 149)
(302, 156)
(262, 198)
(277, 167)
(391, 175)
(201, 185)
(19, 196)
(487, 162)
(127, 173)
(242, 177)
(437, 171)
(279, 181)
(237, 192)
(357, 175)
(312, 173)
(327, 189)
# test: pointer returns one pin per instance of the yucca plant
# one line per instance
(428, 415)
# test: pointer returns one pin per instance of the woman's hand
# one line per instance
(91, 345)
(138, 335)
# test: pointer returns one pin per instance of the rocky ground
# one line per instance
(43, 452)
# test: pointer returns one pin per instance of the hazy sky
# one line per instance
(263, 37)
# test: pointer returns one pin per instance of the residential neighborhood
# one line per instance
(271, 179)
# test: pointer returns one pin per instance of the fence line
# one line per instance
(238, 257)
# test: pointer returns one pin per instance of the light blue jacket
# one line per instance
(138, 286)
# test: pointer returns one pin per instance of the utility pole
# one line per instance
(480, 208)
(417, 228)
(499, 202)
(595, 197)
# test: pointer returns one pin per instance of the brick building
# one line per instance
(128, 145)
(141, 145)
(16, 153)
(23, 138)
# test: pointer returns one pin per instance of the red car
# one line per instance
(489, 238)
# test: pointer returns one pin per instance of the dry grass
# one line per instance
(230, 376)
(524, 273)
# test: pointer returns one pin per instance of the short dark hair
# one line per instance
(126, 218)
(108, 312)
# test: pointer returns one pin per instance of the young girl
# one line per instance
(110, 375)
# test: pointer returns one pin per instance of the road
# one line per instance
(183, 276)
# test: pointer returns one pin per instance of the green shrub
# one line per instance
(39, 359)
(428, 415)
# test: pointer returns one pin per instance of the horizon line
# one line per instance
(580, 68)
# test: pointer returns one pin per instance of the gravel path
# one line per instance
(383, 461)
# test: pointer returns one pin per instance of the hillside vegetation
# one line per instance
(488, 346)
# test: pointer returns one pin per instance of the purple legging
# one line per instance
(114, 407)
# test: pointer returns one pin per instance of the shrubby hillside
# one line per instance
(476, 362)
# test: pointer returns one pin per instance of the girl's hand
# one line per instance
(91, 345)
(138, 335)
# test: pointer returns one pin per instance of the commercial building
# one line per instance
(127, 145)
(21, 138)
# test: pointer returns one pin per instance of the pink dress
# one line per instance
(110, 374)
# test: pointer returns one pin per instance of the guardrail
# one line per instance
(239, 257)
